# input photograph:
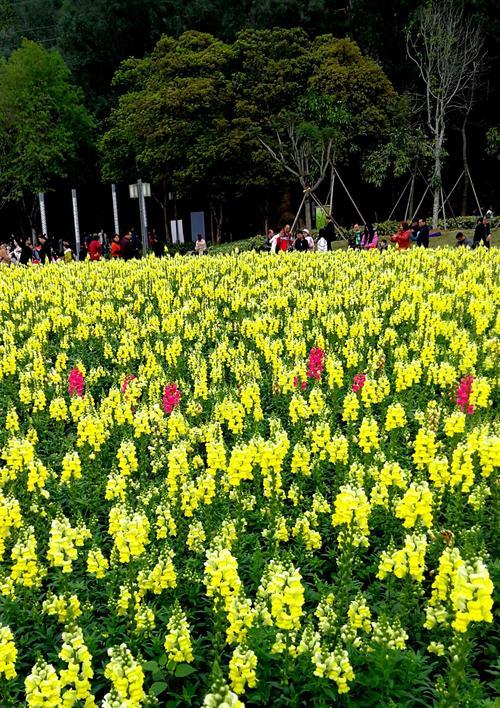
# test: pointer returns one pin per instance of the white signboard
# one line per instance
(177, 231)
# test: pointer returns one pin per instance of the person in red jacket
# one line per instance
(95, 249)
(115, 248)
(402, 238)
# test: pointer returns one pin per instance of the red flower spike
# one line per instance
(358, 382)
(126, 381)
(171, 398)
(76, 383)
(463, 394)
(315, 365)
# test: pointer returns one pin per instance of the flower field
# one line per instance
(250, 480)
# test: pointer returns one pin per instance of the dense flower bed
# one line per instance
(252, 479)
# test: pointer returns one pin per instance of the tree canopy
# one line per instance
(200, 112)
(43, 122)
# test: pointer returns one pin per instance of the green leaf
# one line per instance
(158, 687)
(184, 670)
(150, 666)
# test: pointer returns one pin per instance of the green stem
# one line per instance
(456, 670)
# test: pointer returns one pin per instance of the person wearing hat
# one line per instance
(322, 244)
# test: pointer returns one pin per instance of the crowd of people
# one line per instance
(22, 251)
(94, 247)
(366, 237)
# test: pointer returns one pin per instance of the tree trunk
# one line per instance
(435, 207)
(436, 177)
(219, 223)
(217, 218)
(168, 238)
(30, 211)
(308, 209)
(465, 192)
(265, 216)
(212, 223)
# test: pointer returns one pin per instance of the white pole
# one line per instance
(77, 224)
(43, 216)
(142, 213)
(145, 216)
(456, 184)
(410, 194)
(115, 208)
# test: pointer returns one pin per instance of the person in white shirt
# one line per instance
(322, 245)
(309, 239)
(274, 242)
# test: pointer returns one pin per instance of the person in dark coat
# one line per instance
(328, 232)
(300, 244)
(423, 233)
(461, 240)
(45, 250)
(127, 249)
(482, 233)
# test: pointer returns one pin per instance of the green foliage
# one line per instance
(249, 244)
(405, 147)
(493, 137)
(32, 19)
(192, 112)
(43, 122)
(174, 120)
(96, 35)
(357, 83)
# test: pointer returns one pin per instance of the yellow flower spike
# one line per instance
(178, 640)
(416, 505)
(8, 653)
(281, 588)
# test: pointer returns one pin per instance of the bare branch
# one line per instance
(448, 51)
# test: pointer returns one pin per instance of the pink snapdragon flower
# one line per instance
(463, 394)
(359, 382)
(171, 398)
(76, 382)
(315, 364)
(296, 382)
(126, 381)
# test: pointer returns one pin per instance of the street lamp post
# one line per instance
(77, 223)
(43, 215)
(115, 208)
(140, 191)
